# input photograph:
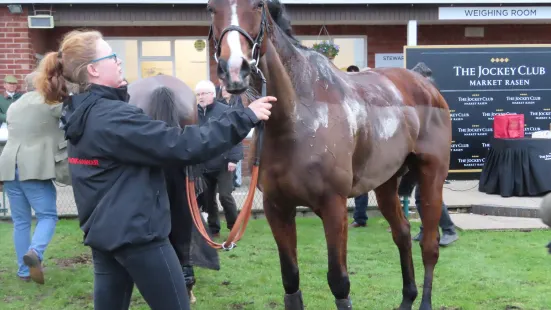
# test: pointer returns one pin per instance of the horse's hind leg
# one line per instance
(335, 223)
(431, 179)
(391, 208)
(282, 222)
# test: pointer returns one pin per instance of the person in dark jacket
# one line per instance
(232, 101)
(116, 156)
(218, 172)
(9, 96)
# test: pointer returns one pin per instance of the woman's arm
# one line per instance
(127, 135)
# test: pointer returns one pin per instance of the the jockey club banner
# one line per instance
(481, 81)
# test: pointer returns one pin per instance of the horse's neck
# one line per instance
(291, 75)
(280, 86)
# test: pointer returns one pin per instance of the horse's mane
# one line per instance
(282, 20)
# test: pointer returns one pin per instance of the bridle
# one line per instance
(255, 43)
(237, 231)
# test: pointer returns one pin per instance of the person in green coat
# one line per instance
(9, 96)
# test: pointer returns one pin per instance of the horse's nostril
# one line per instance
(222, 69)
(245, 69)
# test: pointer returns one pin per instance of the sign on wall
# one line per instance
(498, 12)
(389, 60)
(479, 82)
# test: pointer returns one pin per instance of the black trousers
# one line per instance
(224, 180)
(155, 269)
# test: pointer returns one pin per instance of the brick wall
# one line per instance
(16, 49)
(381, 39)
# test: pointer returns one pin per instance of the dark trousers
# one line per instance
(224, 180)
(154, 268)
(445, 221)
(360, 210)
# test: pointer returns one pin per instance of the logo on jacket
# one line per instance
(81, 161)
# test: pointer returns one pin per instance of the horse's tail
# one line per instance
(164, 108)
(410, 178)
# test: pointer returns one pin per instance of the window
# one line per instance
(185, 58)
(353, 50)
(127, 51)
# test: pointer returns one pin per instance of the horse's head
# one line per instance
(238, 29)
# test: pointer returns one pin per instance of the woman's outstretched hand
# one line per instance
(261, 107)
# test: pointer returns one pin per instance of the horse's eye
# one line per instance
(260, 4)
(210, 10)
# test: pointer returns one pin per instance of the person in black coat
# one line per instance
(218, 172)
(233, 101)
(116, 157)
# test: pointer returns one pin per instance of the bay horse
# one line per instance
(334, 135)
(169, 99)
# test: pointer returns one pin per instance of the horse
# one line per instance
(167, 98)
(333, 135)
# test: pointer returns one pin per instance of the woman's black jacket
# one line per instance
(116, 154)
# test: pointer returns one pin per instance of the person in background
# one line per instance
(27, 168)
(117, 154)
(9, 96)
(352, 68)
(446, 224)
(449, 234)
(233, 101)
(217, 172)
(360, 209)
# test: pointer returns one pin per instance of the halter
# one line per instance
(254, 63)
(254, 43)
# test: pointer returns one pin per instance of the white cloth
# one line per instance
(4, 132)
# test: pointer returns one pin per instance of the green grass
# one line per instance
(483, 270)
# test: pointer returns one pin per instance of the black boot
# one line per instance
(189, 275)
(344, 304)
(294, 301)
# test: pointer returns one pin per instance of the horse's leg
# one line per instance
(391, 208)
(282, 222)
(335, 223)
(431, 180)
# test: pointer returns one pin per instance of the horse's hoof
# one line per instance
(192, 298)
(405, 305)
(294, 301)
(344, 304)
(425, 307)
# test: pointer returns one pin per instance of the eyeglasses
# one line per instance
(204, 94)
(112, 56)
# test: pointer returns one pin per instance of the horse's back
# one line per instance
(165, 97)
(415, 88)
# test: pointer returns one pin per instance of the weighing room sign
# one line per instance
(479, 82)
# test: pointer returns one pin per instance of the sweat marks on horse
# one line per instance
(334, 135)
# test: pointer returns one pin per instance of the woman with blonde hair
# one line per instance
(27, 168)
(116, 156)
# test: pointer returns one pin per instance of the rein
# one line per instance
(245, 214)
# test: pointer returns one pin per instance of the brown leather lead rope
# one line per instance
(240, 224)
(242, 220)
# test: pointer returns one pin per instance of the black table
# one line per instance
(517, 167)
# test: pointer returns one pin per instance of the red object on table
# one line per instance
(509, 126)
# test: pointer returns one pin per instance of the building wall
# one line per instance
(16, 50)
(381, 39)
(18, 44)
